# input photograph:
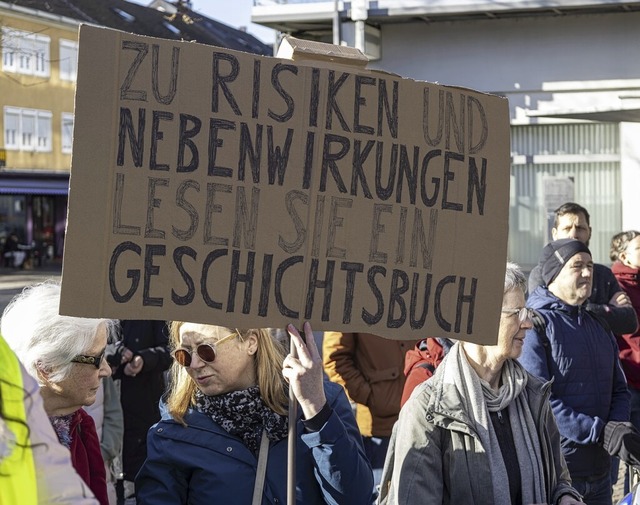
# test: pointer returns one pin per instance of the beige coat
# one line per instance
(435, 456)
(371, 370)
(57, 480)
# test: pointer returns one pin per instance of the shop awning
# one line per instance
(33, 185)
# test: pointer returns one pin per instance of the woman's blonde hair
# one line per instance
(620, 242)
(268, 368)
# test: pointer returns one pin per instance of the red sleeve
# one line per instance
(416, 376)
(420, 364)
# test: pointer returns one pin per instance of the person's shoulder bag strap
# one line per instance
(262, 469)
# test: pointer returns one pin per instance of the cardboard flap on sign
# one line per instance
(300, 51)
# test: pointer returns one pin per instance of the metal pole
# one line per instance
(359, 14)
(336, 22)
(359, 38)
(292, 438)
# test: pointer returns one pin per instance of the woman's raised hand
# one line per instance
(304, 372)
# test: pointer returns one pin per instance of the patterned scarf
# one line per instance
(62, 427)
(243, 414)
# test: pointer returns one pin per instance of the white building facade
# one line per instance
(571, 72)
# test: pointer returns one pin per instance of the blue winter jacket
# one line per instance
(589, 387)
(202, 464)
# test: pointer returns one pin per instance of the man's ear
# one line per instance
(554, 233)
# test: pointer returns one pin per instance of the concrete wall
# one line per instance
(630, 175)
(581, 62)
(500, 56)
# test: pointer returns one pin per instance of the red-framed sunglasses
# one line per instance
(206, 352)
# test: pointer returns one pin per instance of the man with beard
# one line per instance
(606, 300)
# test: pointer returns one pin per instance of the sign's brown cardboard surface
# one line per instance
(215, 186)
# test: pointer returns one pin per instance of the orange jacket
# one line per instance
(371, 370)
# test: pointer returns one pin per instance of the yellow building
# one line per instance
(37, 85)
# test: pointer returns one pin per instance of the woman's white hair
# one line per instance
(41, 337)
(514, 278)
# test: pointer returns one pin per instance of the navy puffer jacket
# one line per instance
(589, 386)
(202, 464)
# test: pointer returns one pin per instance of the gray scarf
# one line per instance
(482, 400)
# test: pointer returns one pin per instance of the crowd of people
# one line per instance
(97, 411)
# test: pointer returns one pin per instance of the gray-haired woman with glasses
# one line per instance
(66, 356)
(223, 438)
(481, 429)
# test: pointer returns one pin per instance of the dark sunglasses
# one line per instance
(89, 360)
(206, 352)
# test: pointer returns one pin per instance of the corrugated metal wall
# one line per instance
(585, 156)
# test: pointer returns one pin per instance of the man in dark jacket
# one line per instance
(607, 300)
(139, 360)
(589, 395)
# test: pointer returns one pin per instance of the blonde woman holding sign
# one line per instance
(223, 436)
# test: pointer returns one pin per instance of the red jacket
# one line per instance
(629, 343)
(86, 456)
(419, 364)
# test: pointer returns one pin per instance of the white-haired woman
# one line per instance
(481, 430)
(34, 468)
(227, 410)
(66, 356)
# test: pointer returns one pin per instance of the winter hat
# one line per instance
(555, 254)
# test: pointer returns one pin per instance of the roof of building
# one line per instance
(185, 24)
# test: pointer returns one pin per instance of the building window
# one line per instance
(43, 130)
(11, 128)
(124, 15)
(27, 129)
(171, 28)
(67, 132)
(25, 52)
(68, 60)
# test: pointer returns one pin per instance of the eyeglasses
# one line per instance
(524, 314)
(206, 352)
(89, 360)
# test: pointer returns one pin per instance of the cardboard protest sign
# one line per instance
(215, 186)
